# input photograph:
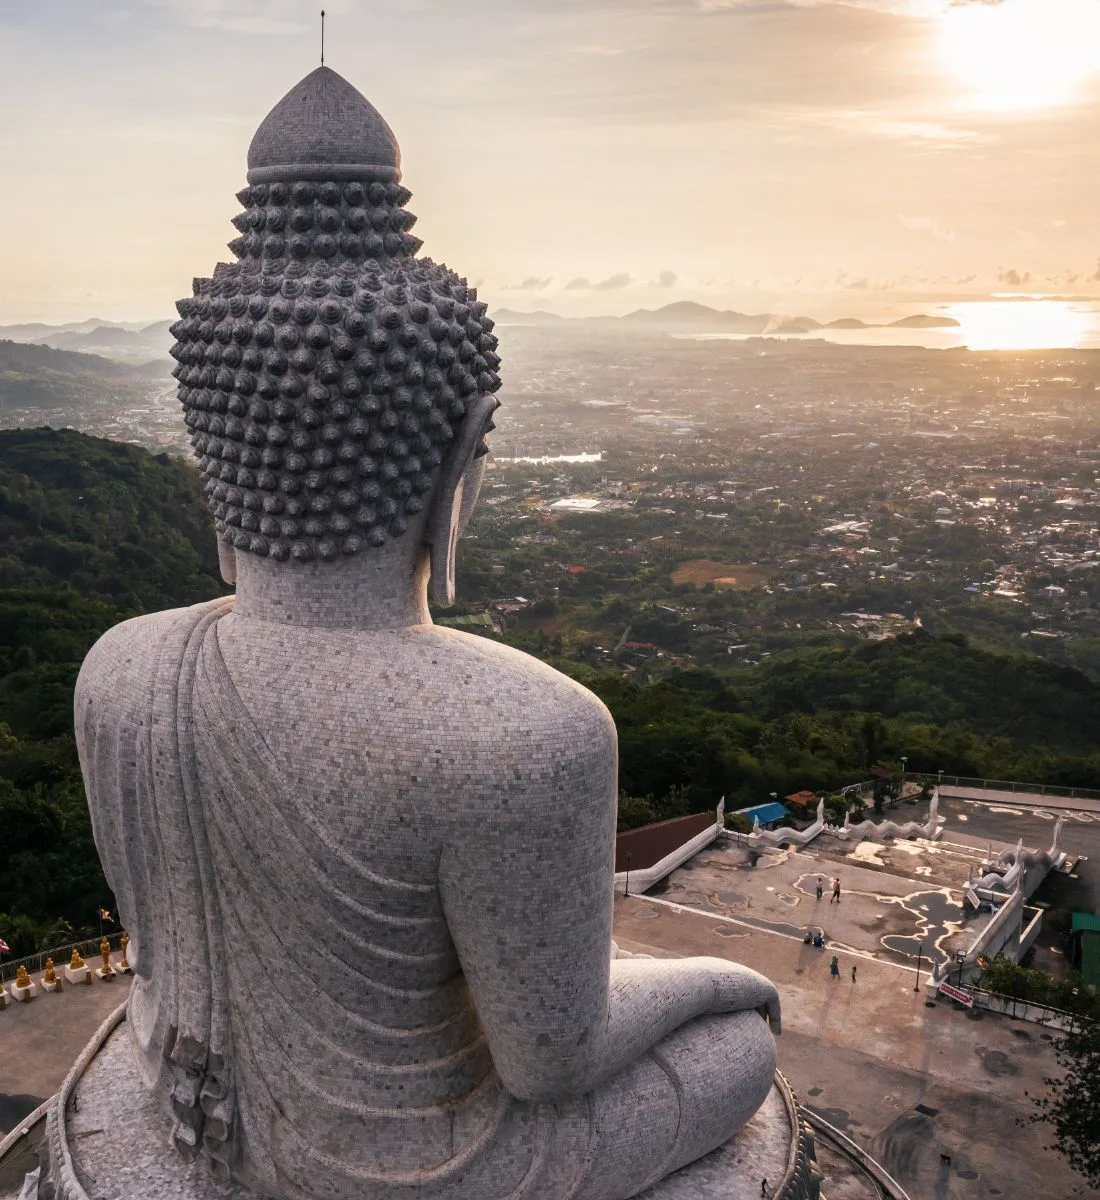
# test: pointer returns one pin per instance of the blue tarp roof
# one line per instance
(766, 812)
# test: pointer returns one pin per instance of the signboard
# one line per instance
(972, 899)
(957, 994)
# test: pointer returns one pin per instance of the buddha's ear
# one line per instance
(227, 562)
(455, 496)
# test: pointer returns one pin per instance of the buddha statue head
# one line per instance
(338, 388)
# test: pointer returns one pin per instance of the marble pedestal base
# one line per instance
(80, 975)
(117, 1133)
(24, 993)
(106, 976)
(51, 987)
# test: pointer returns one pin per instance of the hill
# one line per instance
(687, 316)
(91, 532)
(108, 521)
(39, 376)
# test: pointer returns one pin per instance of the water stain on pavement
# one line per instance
(839, 1118)
(14, 1106)
(996, 1062)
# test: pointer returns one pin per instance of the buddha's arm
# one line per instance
(529, 906)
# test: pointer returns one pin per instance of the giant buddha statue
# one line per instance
(366, 862)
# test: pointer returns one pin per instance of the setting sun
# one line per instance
(1022, 54)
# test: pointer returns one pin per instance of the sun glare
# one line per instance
(1021, 324)
(1022, 54)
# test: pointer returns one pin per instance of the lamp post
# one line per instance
(901, 786)
(626, 890)
(920, 951)
(960, 958)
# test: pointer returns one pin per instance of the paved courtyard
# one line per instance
(866, 1054)
(40, 1039)
(893, 898)
(908, 1079)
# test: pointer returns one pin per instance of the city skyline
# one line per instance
(794, 156)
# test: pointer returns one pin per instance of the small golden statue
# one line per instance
(22, 979)
(105, 954)
(76, 963)
(123, 965)
(49, 975)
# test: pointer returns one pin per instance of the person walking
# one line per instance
(834, 967)
(853, 973)
(820, 887)
(764, 1186)
(836, 891)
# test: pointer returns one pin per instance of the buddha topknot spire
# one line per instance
(324, 374)
(323, 128)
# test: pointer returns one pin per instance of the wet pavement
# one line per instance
(880, 914)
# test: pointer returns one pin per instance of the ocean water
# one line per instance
(1031, 323)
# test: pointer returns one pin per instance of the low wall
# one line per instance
(1030, 931)
(930, 830)
(1024, 1010)
(636, 881)
(1002, 933)
(785, 837)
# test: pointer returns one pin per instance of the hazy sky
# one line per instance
(579, 155)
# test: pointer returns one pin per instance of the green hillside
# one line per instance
(38, 376)
(91, 532)
(108, 521)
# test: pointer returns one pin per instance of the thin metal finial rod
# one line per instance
(322, 37)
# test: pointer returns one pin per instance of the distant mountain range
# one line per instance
(127, 342)
(686, 316)
(146, 345)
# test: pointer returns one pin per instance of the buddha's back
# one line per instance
(381, 755)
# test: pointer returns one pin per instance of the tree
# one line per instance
(1072, 1108)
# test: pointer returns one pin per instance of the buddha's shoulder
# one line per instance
(128, 656)
(505, 678)
(459, 677)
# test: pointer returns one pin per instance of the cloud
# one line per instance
(666, 279)
(863, 122)
(899, 8)
(600, 51)
(277, 17)
(1014, 278)
(533, 283)
(612, 283)
(927, 225)
(1095, 276)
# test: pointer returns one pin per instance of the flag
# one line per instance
(4, 947)
(104, 914)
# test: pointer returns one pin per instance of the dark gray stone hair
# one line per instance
(324, 373)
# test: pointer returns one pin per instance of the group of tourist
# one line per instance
(821, 889)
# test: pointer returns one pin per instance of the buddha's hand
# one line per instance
(737, 989)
